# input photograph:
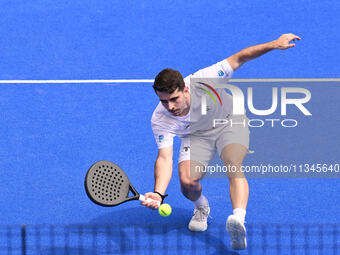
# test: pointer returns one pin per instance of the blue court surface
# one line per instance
(51, 133)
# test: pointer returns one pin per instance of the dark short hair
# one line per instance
(168, 80)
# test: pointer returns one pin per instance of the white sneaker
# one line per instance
(199, 220)
(237, 232)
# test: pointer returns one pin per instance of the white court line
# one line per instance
(151, 81)
(288, 80)
(72, 81)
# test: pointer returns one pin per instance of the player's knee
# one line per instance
(189, 184)
(234, 167)
(233, 162)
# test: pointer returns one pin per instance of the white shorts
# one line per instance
(201, 146)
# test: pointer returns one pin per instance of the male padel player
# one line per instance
(199, 139)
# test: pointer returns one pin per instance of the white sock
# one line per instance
(240, 213)
(201, 201)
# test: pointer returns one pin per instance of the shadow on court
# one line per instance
(64, 251)
(141, 230)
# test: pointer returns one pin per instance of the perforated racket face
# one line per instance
(106, 184)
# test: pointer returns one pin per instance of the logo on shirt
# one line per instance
(161, 138)
(220, 73)
(186, 148)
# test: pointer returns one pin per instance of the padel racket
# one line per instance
(106, 184)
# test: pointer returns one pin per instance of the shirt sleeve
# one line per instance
(163, 139)
(221, 69)
(161, 128)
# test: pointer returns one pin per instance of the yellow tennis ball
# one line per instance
(165, 210)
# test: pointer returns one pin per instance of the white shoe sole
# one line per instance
(237, 232)
(201, 228)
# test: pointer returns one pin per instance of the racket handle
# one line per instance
(142, 198)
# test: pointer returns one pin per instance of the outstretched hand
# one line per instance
(151, 204)
(284, 40)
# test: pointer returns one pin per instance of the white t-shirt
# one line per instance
(166, 126)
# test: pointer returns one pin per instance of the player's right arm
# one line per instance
(163, 173)
(163, 169)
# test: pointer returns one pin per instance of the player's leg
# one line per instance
(232, 144)
(190, 173)
(193, 156)
(232, 156)
(190, 179)
(192, 189)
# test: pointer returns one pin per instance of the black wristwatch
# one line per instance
(162, 196)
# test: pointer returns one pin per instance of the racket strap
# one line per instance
(162, 196)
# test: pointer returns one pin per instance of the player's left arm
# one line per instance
(282, 43)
